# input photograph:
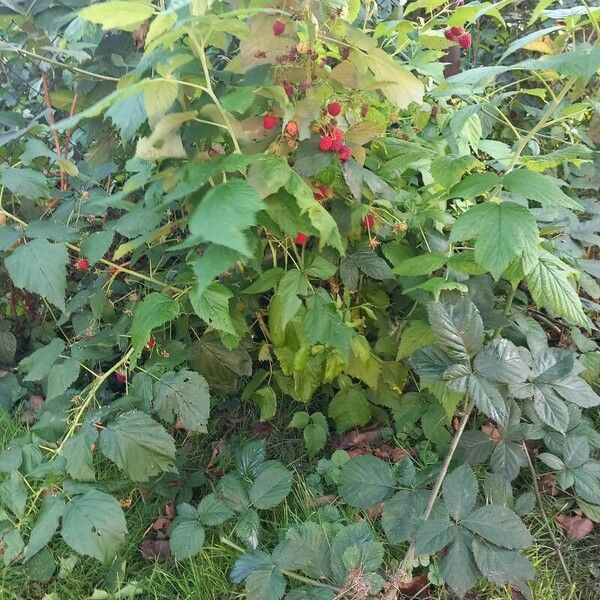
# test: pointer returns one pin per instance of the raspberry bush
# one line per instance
(328, 214)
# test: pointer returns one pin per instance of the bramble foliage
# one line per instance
(335, 210)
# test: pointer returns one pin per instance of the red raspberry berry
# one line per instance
(336, 145)
(301, 239)
(319, 197)
(334, 108)
(337, 134)
(121, 377)
(345, 153)
(464, 41)
(278, 28)
(150, 343)
(456, 31)
(270, 121)
(325, 144)
(448, 35)
(83, 264)
(368, 221)
(292, 128)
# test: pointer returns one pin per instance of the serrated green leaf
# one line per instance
(153, 311)
(420, 265)
(447, 169)
(234, 492)
(457, 565)
(251, 458)
(24, 182)
(96, 245)
(550, 286)
(212, 306)
(315, 434)
(46, 525)
(502, 566)
(38, 364)
(40, 267)
(487, 397)
(271, 486)
(61, 376)
(266, 584)
(403, 514)
(366, 481)
(185, 395)
(500, 361)
(266, 401)
(225, 213)
(538, 187)
(507, 459)
(349, 408)
(458, 328)
(434, 535)
(78, 455)
(213, 511)
(138, 445)
(186, 537)
(502, 233)
(93, 524)
(118, 14)
(13, 493)
(500, 526)
(460, 491)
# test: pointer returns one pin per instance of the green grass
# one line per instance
(206, 576)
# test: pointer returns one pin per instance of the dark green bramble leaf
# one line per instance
(403, 514)
(24, 182)
(538, 187)
(266, 584)
(507, 459)
(458, 328)
(251, 458)
(61, 376)
(152, 312)
(138, 445)
(38, 364)
(305, 547)
(460, 491)
(13, 493)
(272, 484)
(498, 490)
(500, 526)
(212, 511)
(502, 362)
(234, 492)
(93, 524)
(430, 362)
(502, 566)
(487, 397)
(248, 527)
(524, 504)
(10, 459)
(434, 535)
(186, 533)
(355, 535)
(96, 245)
(475, 447)
(77, 451)
(185, 395)
(366, 481)
(457, 565)
(46, 525)
(40, 267)
(420, 265)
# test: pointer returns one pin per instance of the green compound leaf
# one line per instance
(40, 267)
(138, 445)
(366, 481)
(94, 524)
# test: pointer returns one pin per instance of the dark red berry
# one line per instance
(456, 31)
(278, 28)
(150, 343)
(336, 145)
(345, 52)
(334, 108)
(270, 121)
(364, 109)
(337, 134)
(368, 221)
(448, 35)
(121, 376)
(464, 41)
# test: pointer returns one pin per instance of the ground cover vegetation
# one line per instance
(300, 299)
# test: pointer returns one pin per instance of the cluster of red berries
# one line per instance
(334, 141)
(459, 35)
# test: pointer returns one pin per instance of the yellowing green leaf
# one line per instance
(118, 14)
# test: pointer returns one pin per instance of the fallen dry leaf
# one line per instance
(547, 485)
(355, 439)
(575, 527)
(155, 549)
(492, 432)
(161, 524)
